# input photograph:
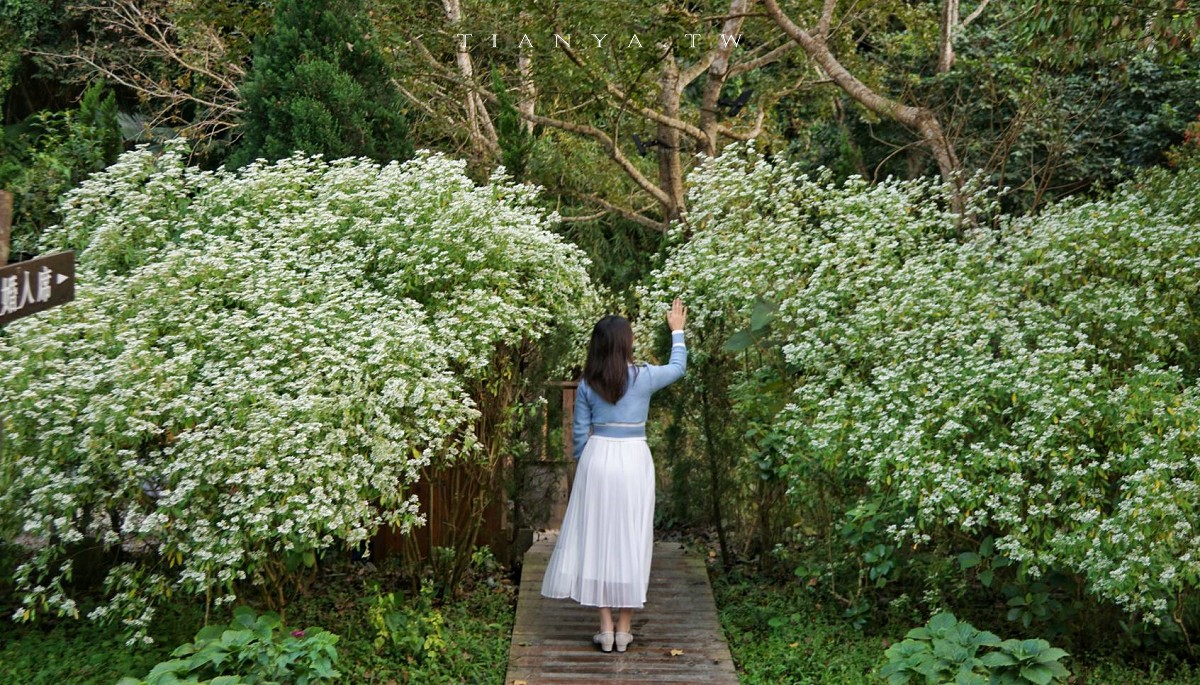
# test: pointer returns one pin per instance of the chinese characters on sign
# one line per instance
(36, 285)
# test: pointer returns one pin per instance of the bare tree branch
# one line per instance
(975, 15)
(921, 119)
(583, 218)
(757, 63)
(693, 72)
(718, 73)
(826, 20)
(615, 90)
(745, 135)
(625, 212)
(143, 39)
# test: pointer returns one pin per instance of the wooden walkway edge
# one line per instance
(676, 637)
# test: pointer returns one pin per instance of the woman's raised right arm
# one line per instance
(677, 365)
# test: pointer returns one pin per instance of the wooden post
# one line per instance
(568, 425)
(6, 218)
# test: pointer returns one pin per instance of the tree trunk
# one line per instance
(946, 38)
(718, 72)
(527, 88)
(670, 166)
(483, 135)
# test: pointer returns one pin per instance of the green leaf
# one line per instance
(208, 633)
(987, 639)
(1037, 673)
(763, 313)
(236, 638)
(172, 666)
(742, 340)
(943, 622)
(1051, 654)
(997, 659)
(968, 560)
(244, 616)
(921, 633)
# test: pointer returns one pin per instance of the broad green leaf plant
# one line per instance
(947, 650)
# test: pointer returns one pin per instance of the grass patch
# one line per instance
(476, 629)
(786, 634)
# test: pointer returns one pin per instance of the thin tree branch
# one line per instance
(759, 62)
(744, 135)
(826, 20)
(583, 218)
(975, 15)
(626, 213)
(624, 98)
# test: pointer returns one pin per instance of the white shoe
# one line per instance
(605, 640)
(622, 640)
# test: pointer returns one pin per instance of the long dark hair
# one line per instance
(609, 354)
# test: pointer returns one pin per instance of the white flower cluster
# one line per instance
(259, 363)
(1036, 380)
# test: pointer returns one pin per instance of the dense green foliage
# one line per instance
(319, 85)
(50, 153)
(1024, 395)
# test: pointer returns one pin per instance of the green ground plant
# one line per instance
(947, 650)
(788, 633)
(251, 650)
(476, 630)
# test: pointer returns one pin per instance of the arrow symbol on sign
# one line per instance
(61, 278)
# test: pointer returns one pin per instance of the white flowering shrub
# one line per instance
(1034, 383)
(259, 364)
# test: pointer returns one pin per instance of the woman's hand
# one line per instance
(677, 317)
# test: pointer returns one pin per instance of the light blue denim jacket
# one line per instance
(595, 415)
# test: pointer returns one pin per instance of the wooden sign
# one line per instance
(36, 285)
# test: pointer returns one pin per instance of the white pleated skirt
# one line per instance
(602, 556)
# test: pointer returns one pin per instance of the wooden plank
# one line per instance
(551, 639)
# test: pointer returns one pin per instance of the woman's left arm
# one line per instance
(583, 418)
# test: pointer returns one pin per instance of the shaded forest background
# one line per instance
(1050, 99)
(891, 136)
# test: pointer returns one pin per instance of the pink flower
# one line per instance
(297, 633)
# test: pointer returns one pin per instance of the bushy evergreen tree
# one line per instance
(319, 84)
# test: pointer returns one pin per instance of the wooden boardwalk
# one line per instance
(676, 638)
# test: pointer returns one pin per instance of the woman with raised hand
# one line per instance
(602, 556)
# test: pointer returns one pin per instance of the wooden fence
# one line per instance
(532, 496)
